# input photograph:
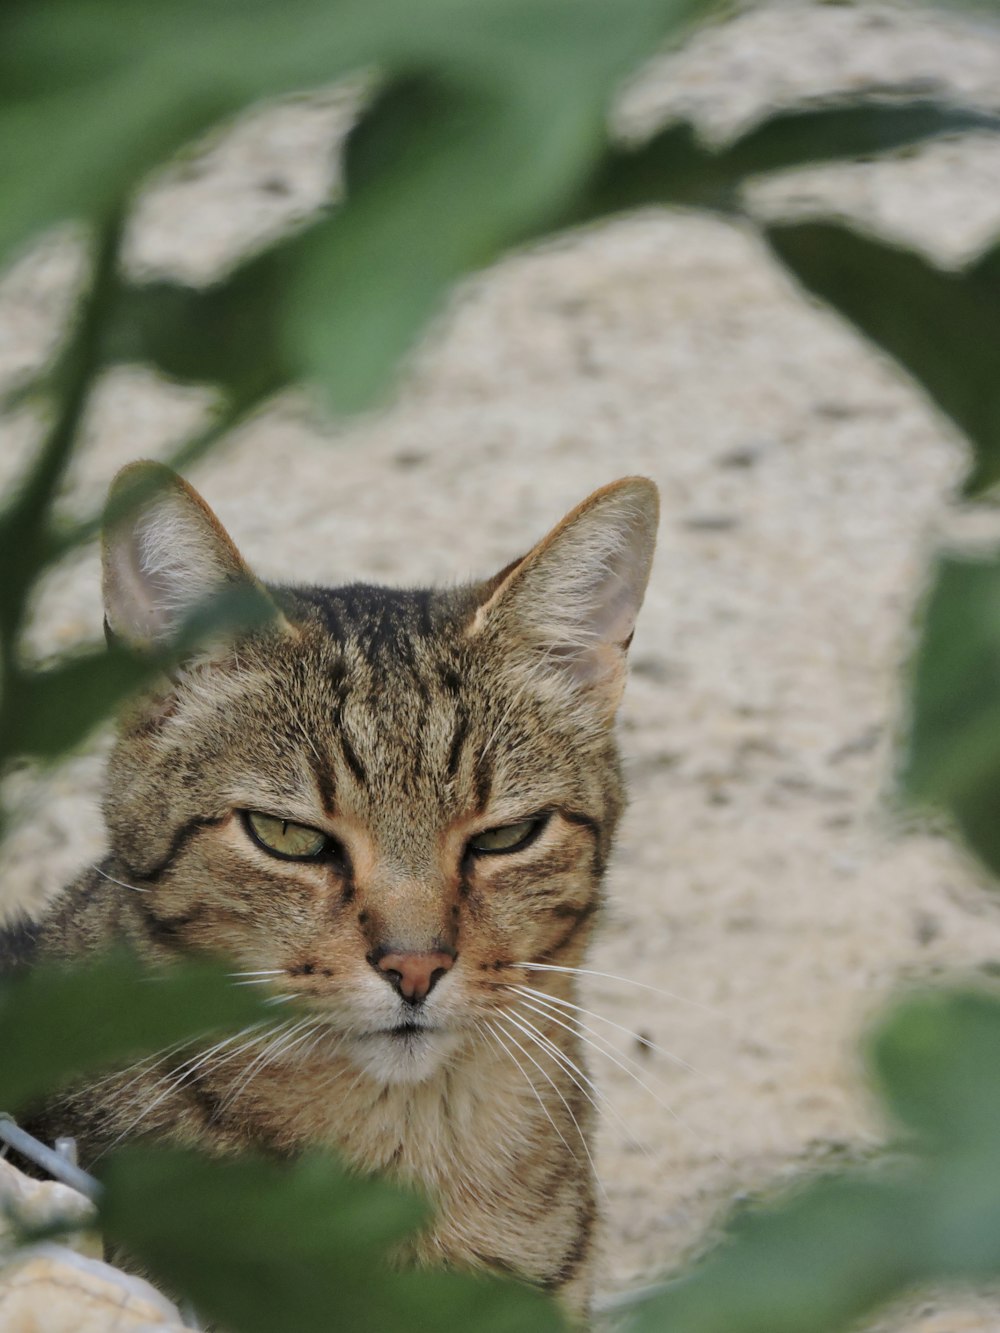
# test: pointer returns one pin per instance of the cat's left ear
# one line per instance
(572, 601)
(164, 554)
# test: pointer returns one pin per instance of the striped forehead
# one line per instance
(393, 715)
(385, 625)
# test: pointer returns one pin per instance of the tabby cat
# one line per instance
(397, 806)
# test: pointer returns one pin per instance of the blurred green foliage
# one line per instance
(942, 327)
(484, 126)
(831, 1251)
(105, 1014)
(297, 1246)
(952, 759)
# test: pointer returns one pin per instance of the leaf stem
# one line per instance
(224, 420)
(24, 537)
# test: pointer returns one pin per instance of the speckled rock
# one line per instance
(52, 1289)
(766, 896)
(67, 1288)
(39, 1203)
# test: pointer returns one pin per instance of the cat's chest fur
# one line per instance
(506, 1168)
(394, 807)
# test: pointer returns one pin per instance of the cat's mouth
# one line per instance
(406, 1030)
(407, 1052)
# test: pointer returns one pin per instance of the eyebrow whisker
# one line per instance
(120, 882)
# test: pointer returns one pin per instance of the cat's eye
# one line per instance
(282, 837)
(507, 837)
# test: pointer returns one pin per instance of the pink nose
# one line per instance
(415, 974)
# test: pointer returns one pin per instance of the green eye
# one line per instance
(297, 842)
(507, 837)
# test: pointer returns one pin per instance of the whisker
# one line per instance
(182, 1072)
(628, 981)
(601, 1045)
(578, 1008)
(321, 1031)
(585, 1084)
(354, 1082)
(289, 1047)
(286, 1045)
(503, 1146)
(303, 730)
(120, 882)
(246, 1074)
(269, 1053)
(528, 1031)
(527, 1078)
(317, 1027)
(261, 972)
(147, 1060)
(596, 1096)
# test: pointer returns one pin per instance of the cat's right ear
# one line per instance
(164, 553)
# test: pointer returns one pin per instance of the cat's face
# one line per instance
(388, 802)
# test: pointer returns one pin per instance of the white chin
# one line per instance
(408, 1058)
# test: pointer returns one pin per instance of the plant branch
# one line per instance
(225, 419)
(24, 535)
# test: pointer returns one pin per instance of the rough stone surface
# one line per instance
(767, 896)
(39, 1203)
(67, 1288)
(52, 1289)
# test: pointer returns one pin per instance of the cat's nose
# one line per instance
(415, 975)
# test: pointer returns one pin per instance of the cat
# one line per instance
(396, 805)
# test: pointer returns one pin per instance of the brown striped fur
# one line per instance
(400, 723)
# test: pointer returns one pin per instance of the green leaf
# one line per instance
(434, 140)
(942, 327)
(492, 122)
(58, 1023)
(834, 133)
(937, 1060)
(94, 93)
(810, 1264)
(952, 756)
(49, 711)
(676, 167)
(426, 202)
(455, 163)
(264, 1245)
(827, 1255)
(818, 1260)
(24, 548)
(494, 117)
(960, 1216)
(227, 334)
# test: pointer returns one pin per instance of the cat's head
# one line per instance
(386, 799)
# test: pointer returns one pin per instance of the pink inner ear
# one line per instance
(616, 600)
(575, 597)
(161, 565)
(129, 608)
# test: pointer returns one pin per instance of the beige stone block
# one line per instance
(52, 1289)
(39, 1203)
